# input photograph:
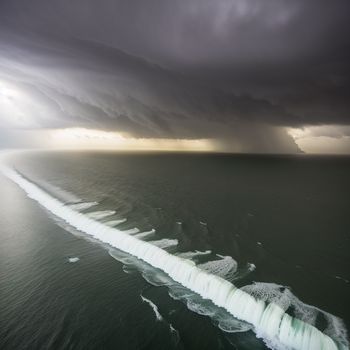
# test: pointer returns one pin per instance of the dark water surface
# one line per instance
(289, 216)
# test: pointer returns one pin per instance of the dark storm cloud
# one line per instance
(237, 71)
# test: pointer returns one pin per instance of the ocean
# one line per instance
(108, 250)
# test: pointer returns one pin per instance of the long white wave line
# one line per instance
(269, 320)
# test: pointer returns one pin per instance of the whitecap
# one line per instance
(98, 215)
(165, 243)
(82, 205)
(145, 234)
(113, 223)
(190, 255)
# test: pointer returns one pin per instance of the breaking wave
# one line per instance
(115, 222)
(83, 205)
(145, 234)
(286, 300)
(98, 215)
(264, 311)
(165, 243)
(191, 255)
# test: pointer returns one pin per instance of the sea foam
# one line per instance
(154, 308)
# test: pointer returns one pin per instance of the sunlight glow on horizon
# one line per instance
(81, 138)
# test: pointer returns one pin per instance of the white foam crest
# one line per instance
(224, 267)
(271, 293)
(101, 214)
(269, 320)
(284, 298)
(191, 255)
(154, 308)
(115, 222)
(165, 243)
(83, 205)
(145, 234)
(241, 272)
(73, 260)
(131, 231)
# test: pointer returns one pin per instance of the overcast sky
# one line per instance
(252, 75)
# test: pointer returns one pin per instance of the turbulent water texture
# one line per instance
(265, 312)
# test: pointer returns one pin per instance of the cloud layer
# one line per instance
(240, 72)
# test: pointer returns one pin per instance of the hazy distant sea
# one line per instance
(277, 224)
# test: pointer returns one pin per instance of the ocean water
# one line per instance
(277, 227)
